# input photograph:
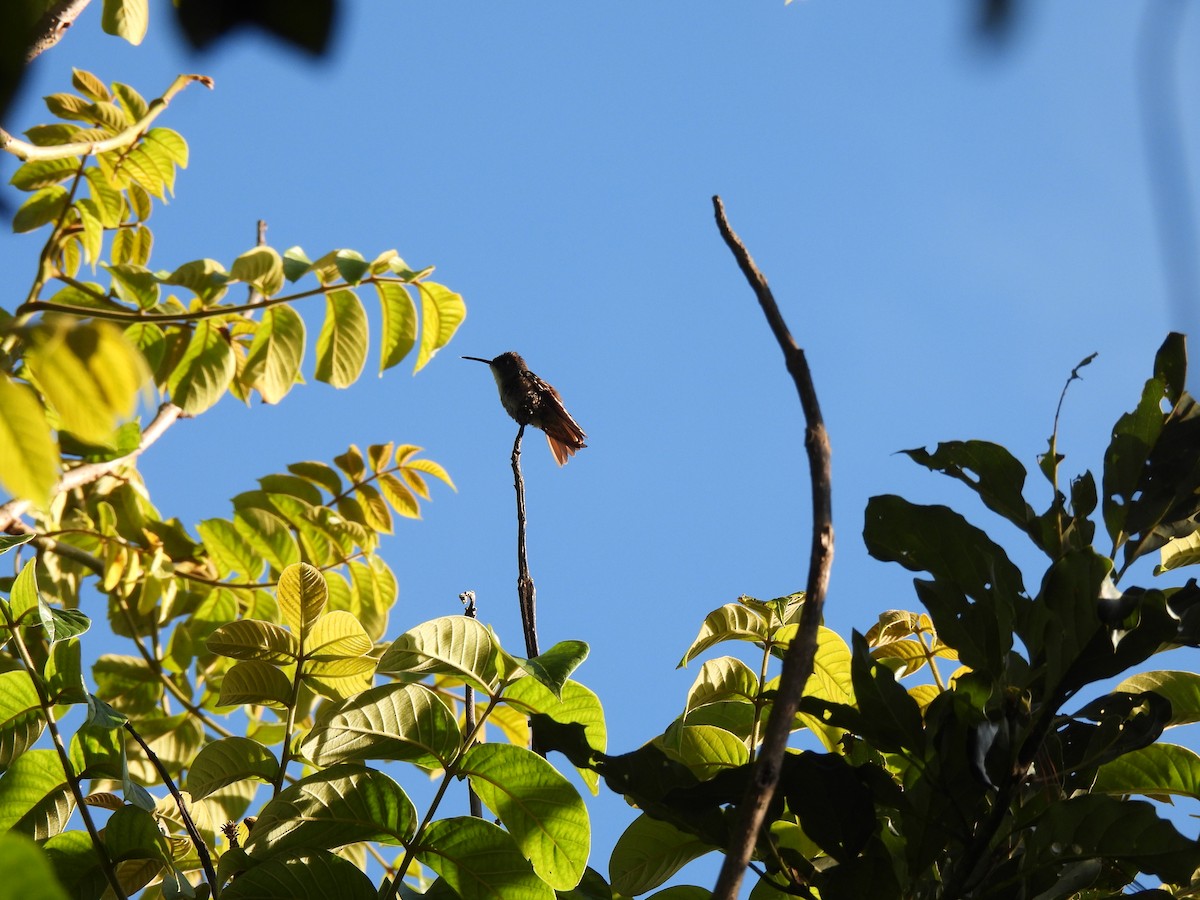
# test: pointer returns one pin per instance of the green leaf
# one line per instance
(43, 207)
(306, 875)
(731, 622)
(204, 371)
(34, 796)
(705, 749)
(295, 264)
(40, 173)
(724, 678)
(29, 460)
(577, 716)
(251, 639)
(442, 311)
(227, 761)
(1182, 689)
(554, 666)
(229, 549)
(90, 374)
(320, 474)
(538, 807)
(170, 142)
(276, 354)
(975, 586)
(336, 635)
(399, 323)
(648, 853)
(451, 645)
(302, 595)
(206, 278)
(64, 673)
(988, 469)
(126, 18)
(342, 343)
(390, 722)
(351, 265)
(1128, 832)
(252, 682)
(480, 861)
(891, 717)
(132, 833)
(341, 805)
(1180, 552)
(261, 268)
(28, 874)
(133, 283)
(21, 721)
(1155, 771)
(269, 536)
(23, 598)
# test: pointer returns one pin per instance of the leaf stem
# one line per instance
(110, 873)
(188, 824)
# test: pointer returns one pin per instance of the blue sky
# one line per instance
(949, 228)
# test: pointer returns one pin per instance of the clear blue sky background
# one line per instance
(949, 230)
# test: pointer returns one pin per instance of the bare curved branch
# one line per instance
(798, 662)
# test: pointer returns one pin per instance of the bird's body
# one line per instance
(531, 401)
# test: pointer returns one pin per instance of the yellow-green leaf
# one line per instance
(126, 18)
(302, 595)
(342, 343)
(29, 459)
(273, 361)
(205, 370)
(44, 206)
(399, 323)
(442, 311)
(251, 639)
(261, 268)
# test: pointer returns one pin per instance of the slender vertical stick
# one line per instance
(526, 593)
(469, 726)
(798, 661)
(188, 823)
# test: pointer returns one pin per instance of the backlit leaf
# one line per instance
(442, 311)
(342, 343)
(29, 460)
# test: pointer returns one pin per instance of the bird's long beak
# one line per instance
(479, 359)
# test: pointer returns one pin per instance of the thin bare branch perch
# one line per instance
(526, 592)
(51, 27)
(798, 662)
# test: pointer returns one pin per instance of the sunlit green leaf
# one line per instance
(126, 18)
(29, 460)
(28, 874)
(251, 639)
(442, 311)
(257, 683)
(34, 796)
(204, 371)
(648, 853)
(260, 267)
(44, 206)
(399, 323)
(304, 875)
(302, 594)
(342, 343)
(21, 721)
(451, 645)
(731, 622)
(538, 807)
(341, 805)
(227, 761)
(276, 354)
(480, 861)
(389, 722)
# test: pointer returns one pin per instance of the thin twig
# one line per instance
(189, 825)
(798, 661)
(64, 758)
(526, 592)
(167, 414)
(51, 27)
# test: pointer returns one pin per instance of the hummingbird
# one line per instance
(530, 401)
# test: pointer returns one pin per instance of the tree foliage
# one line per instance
(265, 736)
